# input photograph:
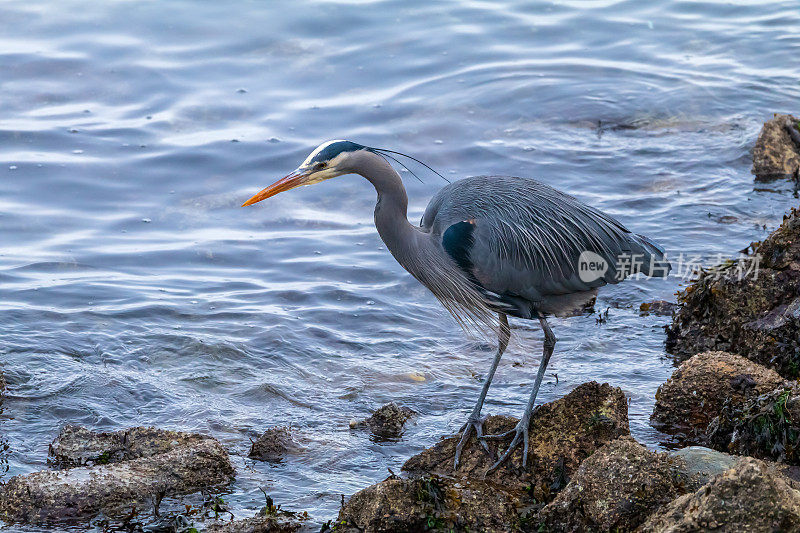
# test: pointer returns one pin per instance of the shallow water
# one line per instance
(135, 291)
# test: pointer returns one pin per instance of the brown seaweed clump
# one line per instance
(777, 151)
(271, 519)
(755, 313)
(767, 426)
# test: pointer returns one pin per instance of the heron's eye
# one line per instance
(320, 165)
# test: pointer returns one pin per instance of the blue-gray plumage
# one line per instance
(525, 239)
(489, 247)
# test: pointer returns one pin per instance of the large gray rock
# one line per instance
(174, 466)
(79, 446)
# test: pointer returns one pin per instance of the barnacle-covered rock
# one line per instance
(429, 503)
(750, 497)
(777, 151)
(615, 489)
(79, 446)
(697, 390)
(121, 482)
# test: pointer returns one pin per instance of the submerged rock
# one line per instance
(615, 489)
(749, 306)
(562, 434)
(177, 463)
(387, 422)
(688, 401)
(767, 426)
(750, 497)
(777, 151)
(272, 445)
(79, 446)
(658, 308)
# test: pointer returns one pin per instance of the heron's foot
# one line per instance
(474, 423)
(520, 433)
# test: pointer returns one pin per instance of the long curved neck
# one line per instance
(416, 251)
(391, 211)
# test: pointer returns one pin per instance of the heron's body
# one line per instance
(521, 240)
(491, 246)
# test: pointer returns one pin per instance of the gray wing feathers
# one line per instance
(529, 236)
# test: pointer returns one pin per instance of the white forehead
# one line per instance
(320, 148)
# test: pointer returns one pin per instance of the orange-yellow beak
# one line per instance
(295, 179)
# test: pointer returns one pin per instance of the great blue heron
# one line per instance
(489, 247)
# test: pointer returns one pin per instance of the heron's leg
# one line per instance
(521, 430)
(475, 421)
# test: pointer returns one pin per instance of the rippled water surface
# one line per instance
(135, 291)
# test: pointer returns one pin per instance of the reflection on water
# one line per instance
(135, 291)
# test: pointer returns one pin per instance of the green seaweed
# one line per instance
(763, 428)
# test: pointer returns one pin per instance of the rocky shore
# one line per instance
(733, 405)
(732, 408)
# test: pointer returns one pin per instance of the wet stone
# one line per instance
(387, 422)
(273, 445)
(777, 150)
(429, 503)
(658, 308)
(698, 389)
(79, 446)
(700, 464)
(174, 464)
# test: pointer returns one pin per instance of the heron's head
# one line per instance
(330, 159)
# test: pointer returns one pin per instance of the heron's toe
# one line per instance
(520, 433)
(473, 424)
